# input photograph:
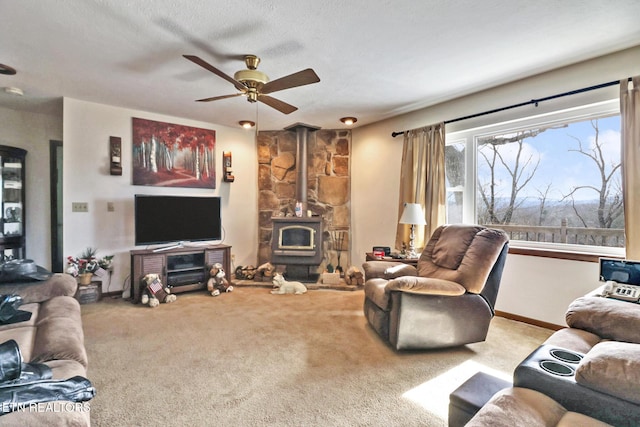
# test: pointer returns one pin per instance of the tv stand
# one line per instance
(180, 268)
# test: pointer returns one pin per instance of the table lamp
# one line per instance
(413, 215)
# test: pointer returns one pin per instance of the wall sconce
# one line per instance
(115, 155)
(247, 124)
(226, 166)
(348, 120)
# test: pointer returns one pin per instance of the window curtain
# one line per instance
(630, 118)
(422, 180)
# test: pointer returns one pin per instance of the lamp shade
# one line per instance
(413, 214)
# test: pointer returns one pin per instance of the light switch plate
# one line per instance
(79, 207)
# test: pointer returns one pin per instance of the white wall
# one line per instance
(32, 132)
(538, 288)
(542, 288)
(87, 128)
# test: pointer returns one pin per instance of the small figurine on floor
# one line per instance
(281, 286)
(155, 292)
(217, 282)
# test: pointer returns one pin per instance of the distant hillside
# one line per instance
(528, 213)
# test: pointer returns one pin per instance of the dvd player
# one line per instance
(185, 278)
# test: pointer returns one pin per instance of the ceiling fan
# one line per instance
(255, 85)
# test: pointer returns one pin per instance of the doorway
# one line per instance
(55, 178)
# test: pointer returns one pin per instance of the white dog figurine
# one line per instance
(281, 286)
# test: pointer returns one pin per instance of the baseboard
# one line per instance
(529, 321)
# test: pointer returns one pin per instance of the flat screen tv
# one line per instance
(176, 219)
(620, 270)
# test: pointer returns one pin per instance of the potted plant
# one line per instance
(84, 266)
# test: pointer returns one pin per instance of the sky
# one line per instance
(560, 167)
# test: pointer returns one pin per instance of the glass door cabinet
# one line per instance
(12, 175)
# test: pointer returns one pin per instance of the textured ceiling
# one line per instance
(375, 58)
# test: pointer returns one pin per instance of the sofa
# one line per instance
(591, 368)
(448, 299)
(52, 336)
(517, 406)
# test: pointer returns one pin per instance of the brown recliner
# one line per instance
(448, 299)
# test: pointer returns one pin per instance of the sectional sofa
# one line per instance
(52, 336)
(586, 374)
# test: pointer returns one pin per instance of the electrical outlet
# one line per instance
(79, 207)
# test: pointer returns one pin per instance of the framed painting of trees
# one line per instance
(171, 155)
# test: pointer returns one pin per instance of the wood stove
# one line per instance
(297, 243)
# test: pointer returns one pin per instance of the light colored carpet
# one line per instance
(249, 358)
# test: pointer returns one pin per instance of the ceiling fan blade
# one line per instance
(281, 106)
(214, 70)
(216, 98)
(300, 78)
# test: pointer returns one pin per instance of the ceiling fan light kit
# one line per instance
(255, 85)
(251, 78)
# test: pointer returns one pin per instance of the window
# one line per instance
(455, 173)
(551, 181)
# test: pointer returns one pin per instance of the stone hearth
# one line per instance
(328, 185)
(341, 286)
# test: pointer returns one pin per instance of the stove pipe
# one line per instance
(302, 139)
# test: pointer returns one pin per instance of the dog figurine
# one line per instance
(281, 286)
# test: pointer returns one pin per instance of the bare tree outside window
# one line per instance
(556, 184)
(505, 153)
(608, 192)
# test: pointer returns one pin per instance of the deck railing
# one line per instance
(611, 237)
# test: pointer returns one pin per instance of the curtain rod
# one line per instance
(522, 104)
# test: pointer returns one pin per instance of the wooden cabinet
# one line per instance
(12, 196)
(182, 269)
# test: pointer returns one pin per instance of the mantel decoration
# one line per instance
(87, 264)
